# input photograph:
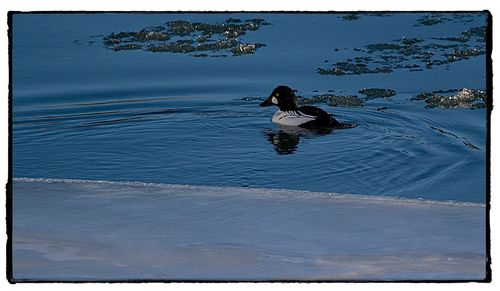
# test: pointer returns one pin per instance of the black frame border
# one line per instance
(489, 108)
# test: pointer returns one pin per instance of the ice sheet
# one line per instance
(98, 230)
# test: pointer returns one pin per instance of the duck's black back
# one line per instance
(322, 117)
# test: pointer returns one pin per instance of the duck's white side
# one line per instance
(291, 118)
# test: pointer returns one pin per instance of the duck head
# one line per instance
(283, 97)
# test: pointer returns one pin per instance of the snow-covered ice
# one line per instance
(97, 230)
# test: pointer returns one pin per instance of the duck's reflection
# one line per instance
(286, 138)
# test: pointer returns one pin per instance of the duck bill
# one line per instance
(267, 102)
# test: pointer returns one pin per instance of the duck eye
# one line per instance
(277, 94)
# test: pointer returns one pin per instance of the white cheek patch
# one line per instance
(274, 100)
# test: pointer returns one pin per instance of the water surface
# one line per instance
(84, 111)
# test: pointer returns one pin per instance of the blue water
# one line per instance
(81, 111)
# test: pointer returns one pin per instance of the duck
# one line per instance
(290, 114)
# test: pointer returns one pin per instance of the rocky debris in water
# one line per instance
(372, 93)
(194, 38)
(129, 37)
(350, 68)
(362, 59)
(423, 96)
(446, 91)
(333, 100)
(379, 14)
(127, 47)
(465, 98)
(457, 39)
(412, 54)
(351, 17)
(413, 66)
(172, 48)
(433, 19)
(151, 36)
(463, 54)
(223, 44)
(479, 32)
(410, 41)
(180, 27)
(461, 17)
(245, 48)
(455, 55)
(429, 21)
(377, 47)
